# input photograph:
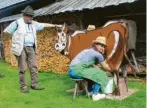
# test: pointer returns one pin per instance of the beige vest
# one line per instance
(19, 35)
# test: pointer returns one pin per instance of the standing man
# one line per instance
(24, 45)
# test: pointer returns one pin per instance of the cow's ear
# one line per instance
(65, 28)
(64, 25)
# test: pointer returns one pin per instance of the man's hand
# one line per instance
(106, 66)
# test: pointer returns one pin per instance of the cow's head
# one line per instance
(61, 40)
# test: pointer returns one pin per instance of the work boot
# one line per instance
(98, 96)
(37, 88)
(24, 90)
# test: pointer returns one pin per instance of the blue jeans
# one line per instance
(95, 87)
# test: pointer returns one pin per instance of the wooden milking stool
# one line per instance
(84, 83)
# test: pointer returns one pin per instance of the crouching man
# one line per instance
(83, 66)
(24, 44)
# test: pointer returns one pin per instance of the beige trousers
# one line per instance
(28, 57)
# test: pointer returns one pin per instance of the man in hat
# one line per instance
(90, 27)
(83, 66)
(24, 44)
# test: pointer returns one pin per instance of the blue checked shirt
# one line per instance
(87, 55)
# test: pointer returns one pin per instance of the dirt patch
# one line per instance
(122, 96)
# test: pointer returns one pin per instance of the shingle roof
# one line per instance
(6, 3)
(74, 5)
(70, 5)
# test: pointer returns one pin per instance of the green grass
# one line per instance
(54, 95)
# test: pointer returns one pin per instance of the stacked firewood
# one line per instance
(48, 58)
(7, 48)
(9, 57)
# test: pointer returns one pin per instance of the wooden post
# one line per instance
(1, 32)
(135, 62)
(1, 38)
(2, 28)
(81, 22)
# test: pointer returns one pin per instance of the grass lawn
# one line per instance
(54, 95)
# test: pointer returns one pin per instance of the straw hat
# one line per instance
(101, 40)
(90, 27)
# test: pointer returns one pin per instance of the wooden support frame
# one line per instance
(114, 16)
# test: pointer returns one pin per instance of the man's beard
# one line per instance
(28, 22)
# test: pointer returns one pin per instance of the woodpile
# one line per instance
(48, 58)
(9, 57)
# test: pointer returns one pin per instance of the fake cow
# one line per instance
(117, 34)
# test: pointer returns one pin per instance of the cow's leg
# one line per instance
(117, 90)
(126, 83)
(125, 77)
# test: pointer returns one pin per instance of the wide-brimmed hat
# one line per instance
(28, 11)
(101, 40)
(90, 27)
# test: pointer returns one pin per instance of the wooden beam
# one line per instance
(125, 15)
